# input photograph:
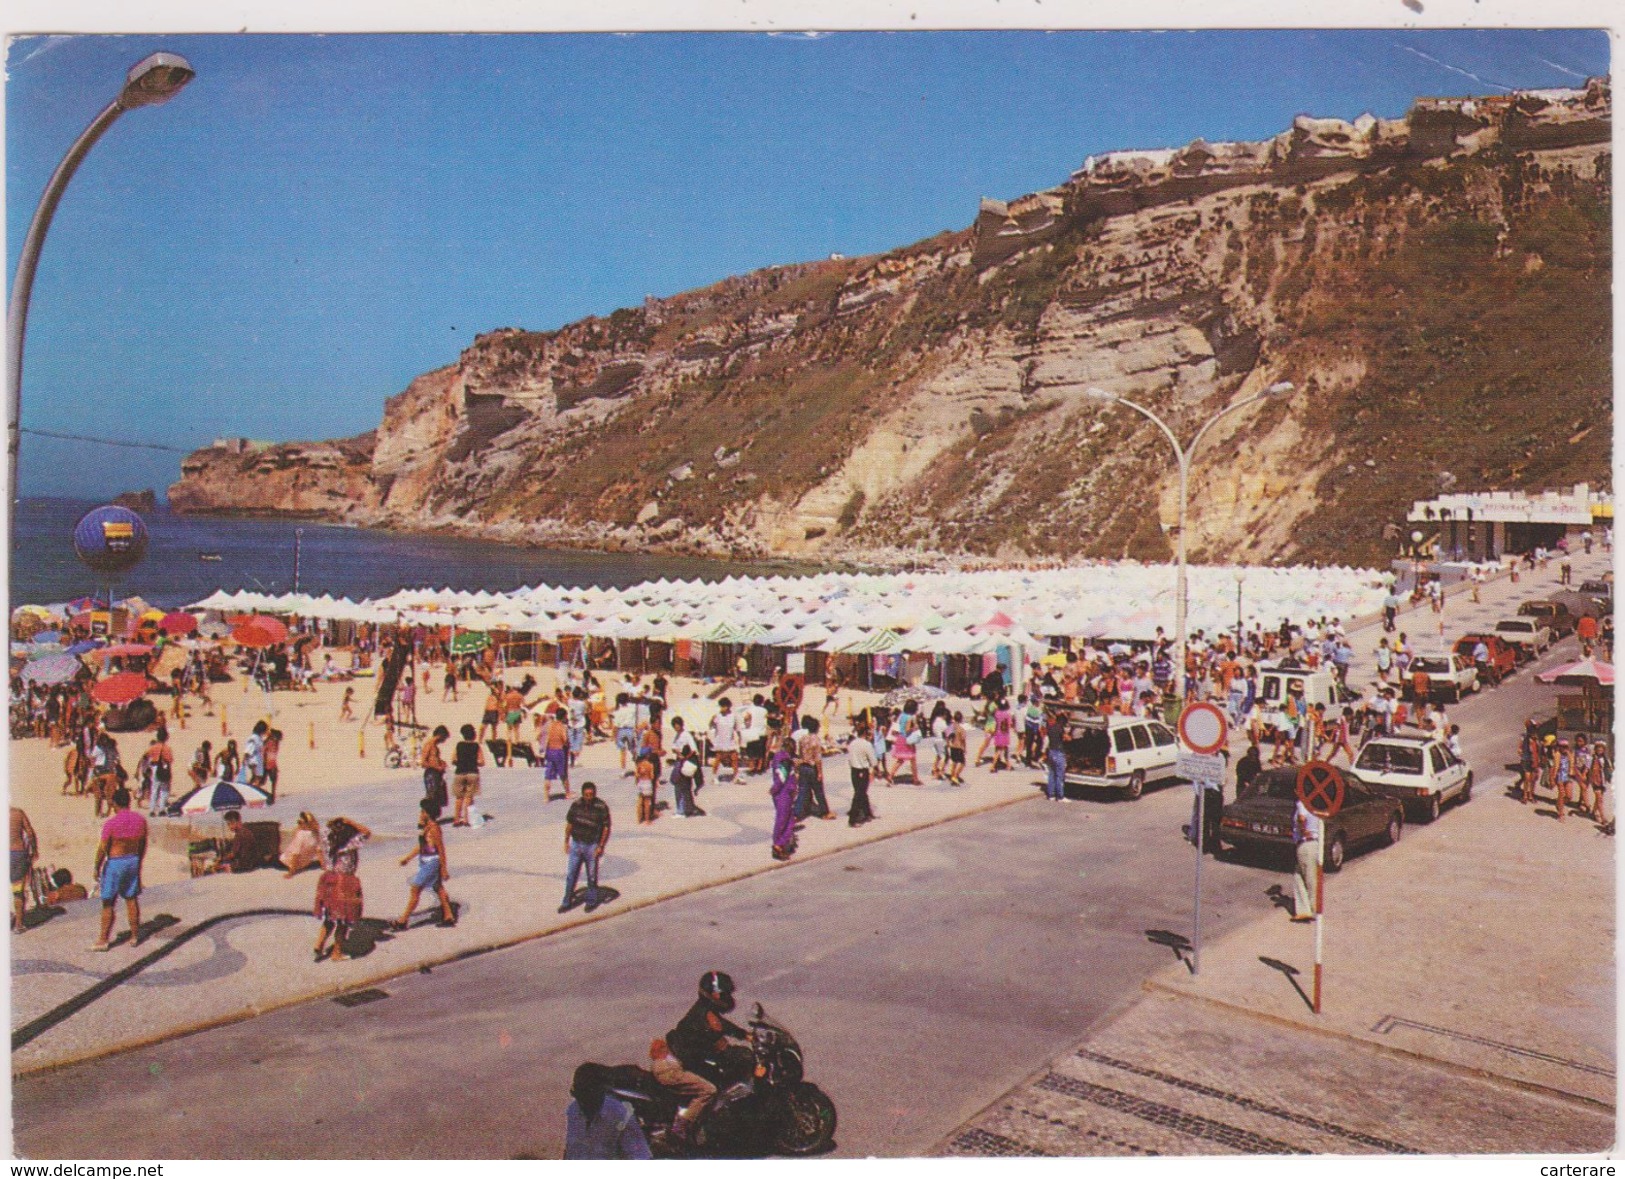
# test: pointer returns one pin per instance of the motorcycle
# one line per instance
(763, 1105)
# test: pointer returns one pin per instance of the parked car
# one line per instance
(1580, 604)
(1125, 753)
(1262, 819)
(1557, 616)
(1528, 635)
(1441, 677)
(1503, 659)
(1599, 591)
(1418, 771)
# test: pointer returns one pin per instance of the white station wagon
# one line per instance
(1419, 771)
(1123, 753)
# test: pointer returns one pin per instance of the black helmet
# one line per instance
(717, 989)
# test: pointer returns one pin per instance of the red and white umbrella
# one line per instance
(121, 688)
(1586, 671)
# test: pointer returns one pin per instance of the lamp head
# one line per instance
(155, 79)
(1281, 389)
(1094, 393)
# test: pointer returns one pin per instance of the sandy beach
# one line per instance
(320, 754)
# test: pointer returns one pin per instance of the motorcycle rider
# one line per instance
(690, 1049)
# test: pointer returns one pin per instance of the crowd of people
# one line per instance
(916, 737)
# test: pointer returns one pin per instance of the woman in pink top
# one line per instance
(902, 751)
(1003, 723)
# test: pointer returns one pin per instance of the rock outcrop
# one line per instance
(934, 399)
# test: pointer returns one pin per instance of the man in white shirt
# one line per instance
(625, 720)
(860, 759)
(753, 735)
(1306, 838)
(725, 739)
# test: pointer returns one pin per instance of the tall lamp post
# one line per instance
(1240, 577)
(1183, 454)
(151, 80)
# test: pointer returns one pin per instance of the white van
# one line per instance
(1124, 753)
(1318, 685)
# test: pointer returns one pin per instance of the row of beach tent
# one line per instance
(951, 613)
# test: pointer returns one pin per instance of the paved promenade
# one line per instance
(222, 948)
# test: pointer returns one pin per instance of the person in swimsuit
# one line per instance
(433, 867)
(119, 856)
(24, 850)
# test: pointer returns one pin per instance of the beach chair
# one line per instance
(503, 756)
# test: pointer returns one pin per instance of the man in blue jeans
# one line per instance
(586, 834)
(1055, 746)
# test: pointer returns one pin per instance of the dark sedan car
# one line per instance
(1262, 818)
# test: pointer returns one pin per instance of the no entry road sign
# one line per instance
(1203, 727)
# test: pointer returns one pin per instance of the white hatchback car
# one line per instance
(1419, 771)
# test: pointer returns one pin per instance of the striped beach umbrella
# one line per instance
(221, 795)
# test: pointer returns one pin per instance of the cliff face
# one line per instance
(1415, 279)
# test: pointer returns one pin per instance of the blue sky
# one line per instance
(316, 220)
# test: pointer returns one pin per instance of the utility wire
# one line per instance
(105, 441)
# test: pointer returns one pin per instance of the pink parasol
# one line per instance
(1586, 671)
(178, 623)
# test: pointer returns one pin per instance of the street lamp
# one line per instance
(151, 81)
(1240, 577)
(1183, 453)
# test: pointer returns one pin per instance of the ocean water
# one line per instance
(353, 562)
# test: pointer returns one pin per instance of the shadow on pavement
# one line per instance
(365, 936)
(1291, 973)
(1177, 942)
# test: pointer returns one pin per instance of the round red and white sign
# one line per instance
(1203, 727)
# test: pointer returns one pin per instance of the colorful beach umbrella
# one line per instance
(1580, 674)
(275, 627)
(84, 646)
(178, 623)
(253, 637)
(120, 689)
(53, 669)
(221, 796)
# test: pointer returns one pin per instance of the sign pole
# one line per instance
(1196, 921)
(1203, 732)
(1321, 790)
(1320, 920)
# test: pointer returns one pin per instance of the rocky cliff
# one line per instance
(1436, 288)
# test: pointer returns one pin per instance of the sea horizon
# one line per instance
(343, 560)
